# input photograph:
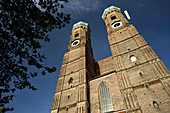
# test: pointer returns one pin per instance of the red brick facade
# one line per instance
(139, 86)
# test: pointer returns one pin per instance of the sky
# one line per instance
(150, 17)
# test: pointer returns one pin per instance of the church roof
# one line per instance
(109, 8)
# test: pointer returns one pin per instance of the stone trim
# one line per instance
(144, 46)
(131, 110)
(126, 39)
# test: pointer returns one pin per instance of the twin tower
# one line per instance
(132, 80)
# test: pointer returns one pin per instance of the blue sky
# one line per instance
(150, 17)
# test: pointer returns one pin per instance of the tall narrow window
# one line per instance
(105, 98)
(70, 80)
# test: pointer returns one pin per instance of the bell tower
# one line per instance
(142, 76)
(72, 94)
(114, 19)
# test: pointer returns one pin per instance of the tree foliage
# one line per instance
(23, 24)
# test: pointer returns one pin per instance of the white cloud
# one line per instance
(83, 5)
(78, 6)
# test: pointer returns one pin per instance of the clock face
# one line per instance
(116, 24)
(75, 43)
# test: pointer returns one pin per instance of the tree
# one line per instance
(23, 24)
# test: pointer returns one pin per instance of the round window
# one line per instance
(75, 43)
(117, 24)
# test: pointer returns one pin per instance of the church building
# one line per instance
(132, 80)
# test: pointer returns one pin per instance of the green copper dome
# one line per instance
(82, 23)
(109, 8)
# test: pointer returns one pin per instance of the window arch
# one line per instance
(105, 98)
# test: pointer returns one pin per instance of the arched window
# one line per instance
(70, 80)
(155, 104)
(105, 98)
(133, 58)
(113, 17)
(76, 35)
